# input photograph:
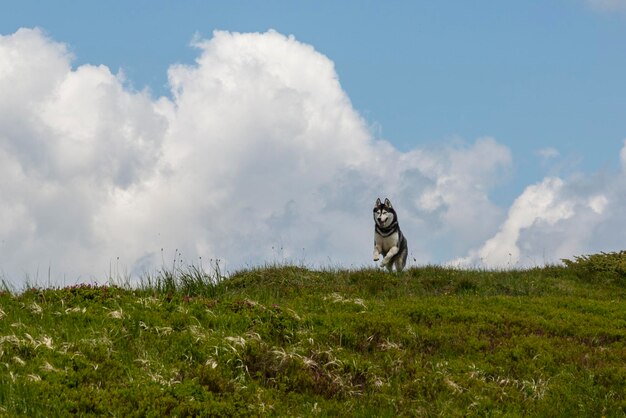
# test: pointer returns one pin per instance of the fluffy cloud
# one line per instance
(257, 156)
(69, 141)
(538, 205)
(556, 219)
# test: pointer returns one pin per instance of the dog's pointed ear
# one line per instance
(378, 202)
(388, 203)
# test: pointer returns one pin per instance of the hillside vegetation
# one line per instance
(289, 341)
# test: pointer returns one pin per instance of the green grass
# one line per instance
(289, 341)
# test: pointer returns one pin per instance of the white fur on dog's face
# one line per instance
(383, 218)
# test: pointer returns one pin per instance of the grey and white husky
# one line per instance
(388, 239)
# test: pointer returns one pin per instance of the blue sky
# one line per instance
(543, 80)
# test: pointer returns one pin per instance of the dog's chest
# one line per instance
(386, 243)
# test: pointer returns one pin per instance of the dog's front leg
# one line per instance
(392, 251)
(377, 250)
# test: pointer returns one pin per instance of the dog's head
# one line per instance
(384, 215)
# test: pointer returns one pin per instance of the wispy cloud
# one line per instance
(608, 5)
(548, 153)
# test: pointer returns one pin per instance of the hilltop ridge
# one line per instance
(292, 341)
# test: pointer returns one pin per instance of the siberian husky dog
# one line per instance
(388, 239)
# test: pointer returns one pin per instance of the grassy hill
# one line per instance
(289, 341)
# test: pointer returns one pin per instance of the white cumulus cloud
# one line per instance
(558, 218)
(257, 156)
(69, 141)
(539, 205)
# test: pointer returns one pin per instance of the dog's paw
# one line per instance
(384, 263)
(376, 257)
